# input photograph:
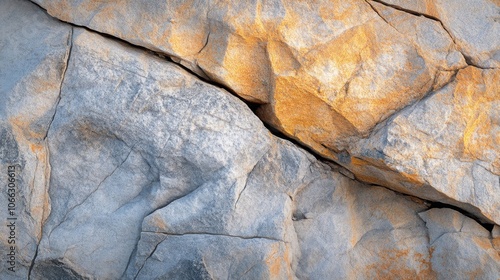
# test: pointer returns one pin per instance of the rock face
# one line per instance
(332, 74)
(32, 63)
(454, 240)
(457, 153)
(124, 165)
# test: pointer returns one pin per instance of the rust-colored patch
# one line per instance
(496, 244)
(36, 148)
(158, 223)
(393, 265)
(275, 261)
(431, 9)
(474, 98)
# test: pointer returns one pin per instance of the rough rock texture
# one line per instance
(330, 74)
(130, 167)
(473, 25)
(455, 241)
(32, 64)
(450, 141)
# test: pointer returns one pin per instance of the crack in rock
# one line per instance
(217, 234)
(63, 76)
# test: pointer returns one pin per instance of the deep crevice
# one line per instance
(253, 106)
(163, 55)
(435, 204)
(429, 204)
(278, 134)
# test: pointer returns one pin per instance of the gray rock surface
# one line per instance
(461, 248)
(133, 133)
(473, 25)
(33, 53)
(352, 231)
(130, 167)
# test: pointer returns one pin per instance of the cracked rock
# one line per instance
(129, 166)
(445, 148)
(33, 53)
(473, 25)
(461, 248)
(332, 74)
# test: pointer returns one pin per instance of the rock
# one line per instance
(214, 257)
(334, 82)
(33, 56)
(461, 248)
(311, 71)
(495, 235)
(360, 232)
(132, 133)
(474, 30)
(130, 167)
(453, 158)
(165, 172)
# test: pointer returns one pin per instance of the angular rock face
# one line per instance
(124, 165)
(449, 141)
(473, 25)
(454, 239)
(330, 74)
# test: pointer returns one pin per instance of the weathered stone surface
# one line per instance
(326, 71)
(351, 231)
(156, 174)
(331, 74)
(213, 257)
(495, 235)
(133, 133)
(162, 148)
(461, 248)
(449, 141)
(33, 53)
(473, 25)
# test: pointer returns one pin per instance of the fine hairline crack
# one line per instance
(467, 57)
(217, 234)
(63, 77)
